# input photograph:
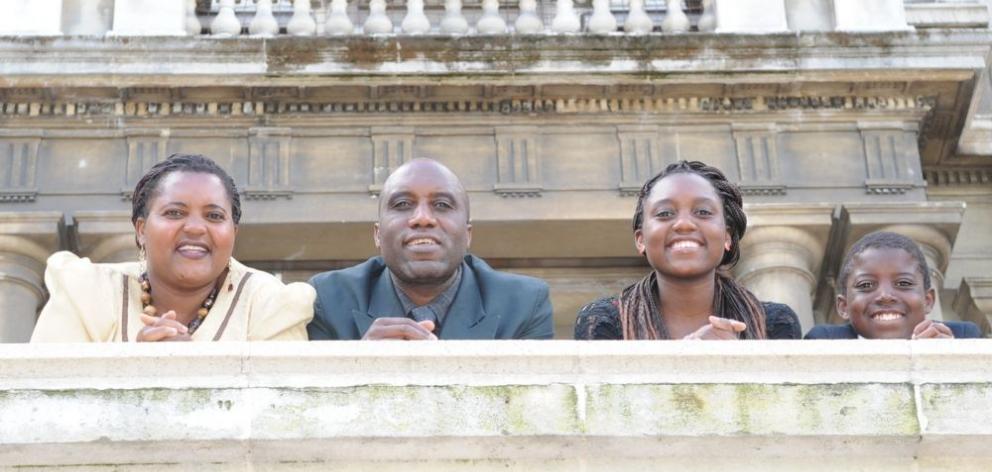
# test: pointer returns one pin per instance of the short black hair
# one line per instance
(883, 240)
(147, 187)
(730, 197)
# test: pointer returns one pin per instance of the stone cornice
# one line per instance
(209, 61)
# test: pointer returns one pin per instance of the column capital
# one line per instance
(974, 302)
(105, 236)
(779, 248)
(33, 234)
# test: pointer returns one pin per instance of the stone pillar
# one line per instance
(751, 16)
(936, 249)
(22, 293)
(149, 18)
(31, 18)
(779, 264)
(870, 15)
(974, 302)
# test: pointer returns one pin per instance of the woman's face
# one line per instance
(189, 232)
(684, 234)
(884, 297)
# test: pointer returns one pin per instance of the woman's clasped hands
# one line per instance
(163, 328)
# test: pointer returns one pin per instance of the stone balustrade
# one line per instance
(226, 18)
(784, 405)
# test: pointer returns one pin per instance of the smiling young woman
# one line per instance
(688, 223)
(185, 212)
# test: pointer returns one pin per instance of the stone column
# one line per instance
(751, 16)
(22, 292)
(974, 302)
(936, 249)
(105, 236)
(782, 253)
(780, 264)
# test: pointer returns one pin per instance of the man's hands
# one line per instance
(930, 329)
(718, 328)
(400, 328)
(164, 328)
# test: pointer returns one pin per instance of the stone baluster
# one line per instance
(528, 22)
(149, 18)
(193, 26)
(936, 248)
(337, 22)
(454, 22)
(31, 18)
(602, 20)
(264, 23)
(638, 21)
(675, 20)
(490, 22)
(377, 22)
(302, 22)
(415, 21)
(779, 264)
(87, 17)
(707, 21)
(226, 24)
(565, 20)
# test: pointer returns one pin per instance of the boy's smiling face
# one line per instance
(884, 297)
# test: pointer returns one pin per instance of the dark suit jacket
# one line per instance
(961, 329)
(489, 304)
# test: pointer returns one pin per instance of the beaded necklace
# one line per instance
(201, 313)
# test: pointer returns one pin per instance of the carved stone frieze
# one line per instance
(640, 157)
(18, 167)
(145, 148)
(953, 176)
(758, 161)
(392, 146)
(268, 164)
(518, 159)
(890, 157)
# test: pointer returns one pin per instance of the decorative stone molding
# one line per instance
(974, 302)
(757, 160)
(269, 164)
(391, 103)
(518, 162)
(950, 176)
(640, 157)
(392, 146)
(19, 166)
(145, 148)
(891, 157)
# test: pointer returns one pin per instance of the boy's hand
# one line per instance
(930, 329)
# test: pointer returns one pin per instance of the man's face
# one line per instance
(884, 297)
(423, 230)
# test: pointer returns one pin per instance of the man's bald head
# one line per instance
(423, 167)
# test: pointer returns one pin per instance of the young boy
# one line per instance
(885, 293)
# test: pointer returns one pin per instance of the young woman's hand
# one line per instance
(718, 328)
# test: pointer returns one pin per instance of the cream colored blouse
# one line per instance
(102, 303)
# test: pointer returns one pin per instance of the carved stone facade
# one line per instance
(830, 135)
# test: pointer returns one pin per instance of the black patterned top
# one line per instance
(601, 320)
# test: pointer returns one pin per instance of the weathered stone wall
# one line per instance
(889, 405)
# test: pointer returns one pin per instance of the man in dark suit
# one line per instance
(846, 331)
(424, 285)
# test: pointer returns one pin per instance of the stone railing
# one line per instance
(264, 18)
(840, 405)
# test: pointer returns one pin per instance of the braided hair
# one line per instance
(147, 187)
(640, 312)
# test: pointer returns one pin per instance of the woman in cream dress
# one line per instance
(185, 212)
